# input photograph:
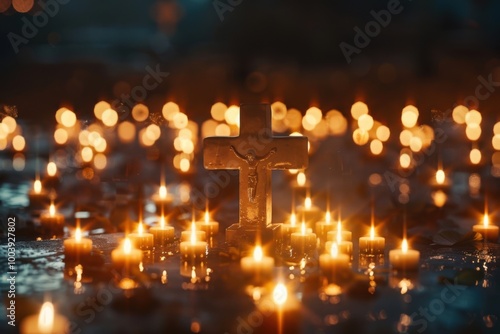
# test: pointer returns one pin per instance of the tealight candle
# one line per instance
(323, 227)
(46, 322)
(77, 247)
(141, 240)
(341, 238)
(199, 235)
(288, 228)
(489, 232)
(333, 262)
(52, 222)
(162, 199)
(37, 196)
(194, 249)
(163, 234)
(371, 244)
(303, 241)
(126, 255)
(309, 212)
(258, 266)
(404, 258)
(334, 234)
(210, 227)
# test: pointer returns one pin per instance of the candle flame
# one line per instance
(162, 221)
(328, 217)
(303, 228)
(486, 220)
(78, 234)
(46, 318)
(440, 176)
(280, 294)
(404, 246)
(163, 192)
(257, 254)
(301, 179)
(339, 231)
(308, 202)
(293, 219)
(372, 232)
(207, 217)
(127, 246)
(37, 186)
(193, 273)
(334, 251)
(193, 233)
(140, 229)
(52, 210)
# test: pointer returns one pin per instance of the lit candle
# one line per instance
(162, 199)
(309, 212)
(288, 228)
(126, 255)
(440, 177)
(344, 234)
(344, 246)
(333, 263)
(46, 322)
(77, 247)
(194, 249)
(258, 266)
(163, 234)
(210, 227)
(141, 240)
(304, 241)
(323, 227)
(404, 258)
(200, 235)
(52, 222)
(371, 244)
(37, 196)
(489, 232)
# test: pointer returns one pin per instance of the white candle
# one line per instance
(126, 255)
(372, 244)
(142, 240)
(194, 249)
(77, 247)
(309, 212)
(304, 241)
(52, 222)
(333, 263)
(163, 234)
(258, 266)
(404, 258)
(46, 322)
(489, 232)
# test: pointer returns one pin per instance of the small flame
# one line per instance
(78, 235)
(46, 318)
(339, 231)
(257, 254)
(404, 246)
(440, 176)
(280, 294)
(372, 232)
(52, 210)
(163, 192)
(308, 203)
(37, 186)
(293, 219)
(328, 217)
(193, 233)
(140, 229)
(207, 217)
(303, 228)
(193, 273)
(334, 251)
(162, 221)
(301, 179)
(486, 220)
(127, 246)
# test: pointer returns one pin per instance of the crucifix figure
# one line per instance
(255, 153)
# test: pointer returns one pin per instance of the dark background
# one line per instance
(430, 54)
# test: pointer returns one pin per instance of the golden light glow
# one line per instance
(308, 203)
(52, 210)
(475, 156)
(140, 112)
(100, 161)
(68, 118)
(376, 147)
(78, 235)
(405, 137)
(473, 117)
(439, 197)
(185, 164)
(334, 250)
(339, 232)
(357, 109)
(473, 131)
(440, 176)
(301, 179)
(140, 229)
(232, 115)
(360, 137)
(303, 228)
(162, 221)
(51, 168)
(372, 232)
(87, 154)
(169, 110)
(409, 116)
(405, 160)
(404, 246)
(486, 220)
(127, 246)
(279, 111)
(328, 217)
(162, 192)
(337, 123)
(153, 131)
(126, 132)
(99, 109)
(315, 113)
(109, 117)
(18, 143)
(37, 186)
(207, 216)
(257, 254)
(365, 122)
(280, 294)
(10, 123)
(193, 233)
(100, 144)
(495, 142)
(222, 130)
(415, 144)
(459, 113)
(217, 111)
(496, 128)
(46, 318)
(383, 133)
(293, 219)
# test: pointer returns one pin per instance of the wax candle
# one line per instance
(46, 322)
(194, 249)
(162, 199)
(77, 247)
(489, 232)
(371, 244)
(37, 196)
(52, 222)
(334, 234)
(304, 241)
(404, 258)
(344, 246)
(288, 228)
(199, 235)
(126, 255)
(142, 240)
(323, 227)
(334, 262)
(210, 227)
(258, 266)
(163, 234)
(309, 212)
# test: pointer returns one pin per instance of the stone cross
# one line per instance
(255, 153)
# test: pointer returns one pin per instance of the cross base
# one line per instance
(244, 239)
